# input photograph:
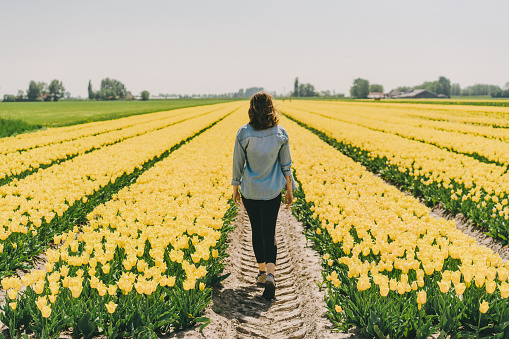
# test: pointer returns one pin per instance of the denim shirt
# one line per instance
(261, 161)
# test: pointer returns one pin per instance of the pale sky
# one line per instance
(217, 46)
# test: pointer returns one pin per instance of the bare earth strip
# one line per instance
(238, 309)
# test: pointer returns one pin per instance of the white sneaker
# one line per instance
(260, 279)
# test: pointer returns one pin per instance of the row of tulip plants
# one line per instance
(17, 165)
(53, 200)
(390, 268)
(462, 184)
(145, 261)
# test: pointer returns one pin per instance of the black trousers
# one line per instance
(263, 216)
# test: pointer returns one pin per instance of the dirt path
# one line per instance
(238, 309)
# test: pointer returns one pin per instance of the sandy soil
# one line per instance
(238, 309)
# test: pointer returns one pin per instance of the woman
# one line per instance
(261, 167)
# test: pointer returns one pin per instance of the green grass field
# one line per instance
(64, 113)
(474, 101)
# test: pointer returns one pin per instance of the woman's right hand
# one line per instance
(288, 198)
(236, 195)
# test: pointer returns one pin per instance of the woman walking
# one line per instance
(261, 167)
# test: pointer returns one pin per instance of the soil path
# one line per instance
(238, 309)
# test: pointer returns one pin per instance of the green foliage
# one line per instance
(145, 95)
(249, 92)
(480, 89)
(9, 98)
(111, 89)
(303, 90)
(56, 90)
(91, 94)
(10, 127)
(360, 89)
(455, 89)
(36, 90)
(376, 88)
(441, 86)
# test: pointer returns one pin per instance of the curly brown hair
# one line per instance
(262, 113)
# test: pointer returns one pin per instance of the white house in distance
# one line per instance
(376, 95)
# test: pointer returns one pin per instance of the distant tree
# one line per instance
(252, 91)
(9, 98)
(296, 87)
(443, 86)
(112, 89)
(56, 90)
(376, 88)
(307, 90)
(428, 85)
(481, 89)
(91, 94)
(455, 89)
(360, 88)
(145, 95)
(129, 96)
(20, 96)
(36, 90)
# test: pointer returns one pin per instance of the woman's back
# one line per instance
(267, 158)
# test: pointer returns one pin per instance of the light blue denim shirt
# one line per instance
(261, 161)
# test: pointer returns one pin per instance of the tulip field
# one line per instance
(132, 216)
(391, 268)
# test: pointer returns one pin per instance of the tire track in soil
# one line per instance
(238, 309)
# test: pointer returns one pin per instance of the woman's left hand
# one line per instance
(288, 198)
(236, 195)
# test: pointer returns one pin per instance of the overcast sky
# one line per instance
(217, 46)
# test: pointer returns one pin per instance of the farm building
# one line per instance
(376, 95)
(393, 93)
(416, 94)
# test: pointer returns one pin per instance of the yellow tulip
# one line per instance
(41, 302)
(13, 305)
(444, 286)
(338, 308)
(459, 288)
(12, 293)
(490, 286)
(484, 306)
(421, 297)
(111, 307)
(46, 311)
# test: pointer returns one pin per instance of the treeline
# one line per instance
(112, 89)
(308, 90)
(481, 89)
(241, 93)
(361, 88)
(39, 91)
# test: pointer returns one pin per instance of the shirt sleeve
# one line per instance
(239, 159)
(285, 159)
